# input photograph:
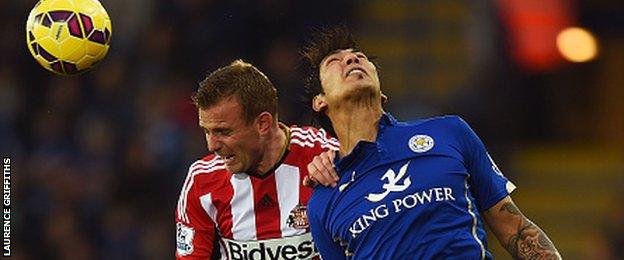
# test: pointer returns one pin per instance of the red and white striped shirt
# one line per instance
(247, 217)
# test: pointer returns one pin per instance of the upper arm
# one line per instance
(196, 233)
(487, 182)
(504, 218)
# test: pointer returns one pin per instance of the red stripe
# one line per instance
(304, 192)
(267, 211)
(222, 200)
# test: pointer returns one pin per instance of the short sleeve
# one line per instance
(487, 183)
(196, 235)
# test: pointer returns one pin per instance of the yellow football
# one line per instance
(68, 36)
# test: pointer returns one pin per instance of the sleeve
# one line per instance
(487, 183)
(322, 238)
(196, 235)
(327, 141)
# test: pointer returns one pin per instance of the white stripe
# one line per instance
(190, 178)
(287, 180)
(183, 194)
(321, 134)
(214, 166)
(474, 218)
(318, 135)
(301, 142)
(308, 138)
(332, 140)
(209, 207)
(308, 144)
(211, 210)
(243, 219)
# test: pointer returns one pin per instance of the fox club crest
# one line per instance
(421, 143)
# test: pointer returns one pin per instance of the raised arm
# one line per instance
(517, 234)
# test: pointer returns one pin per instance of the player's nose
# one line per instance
(214, 145)
(351, 58)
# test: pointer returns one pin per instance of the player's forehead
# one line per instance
(226, 113)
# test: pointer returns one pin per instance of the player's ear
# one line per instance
(384, 98)
(319, 103)
(264, 121)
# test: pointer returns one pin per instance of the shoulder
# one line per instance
(210, 167)
(452, 124)
(307, 136)
(200, 179)
(445, 120)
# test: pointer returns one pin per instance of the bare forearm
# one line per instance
(528, 241)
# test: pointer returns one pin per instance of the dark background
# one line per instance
(98, 159)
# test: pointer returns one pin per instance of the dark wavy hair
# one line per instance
(321, 44)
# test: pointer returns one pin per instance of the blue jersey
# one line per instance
(416, 193)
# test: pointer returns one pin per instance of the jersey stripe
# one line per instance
(309, 139)
(321, 135)
(209, 207)
(474, 218)
(311, 145)
(288, 189)
(243, 221)
(266, 207)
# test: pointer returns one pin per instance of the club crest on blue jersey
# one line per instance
(421, 143)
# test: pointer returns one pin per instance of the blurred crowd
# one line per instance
(98, 159)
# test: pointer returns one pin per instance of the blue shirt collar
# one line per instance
(386, 120)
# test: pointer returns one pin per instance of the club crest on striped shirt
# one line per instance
(298, 217)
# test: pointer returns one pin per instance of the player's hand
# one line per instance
(321, 170)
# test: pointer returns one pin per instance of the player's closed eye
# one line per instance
(330, 60)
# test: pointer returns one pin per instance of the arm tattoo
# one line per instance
(530, 242)
(511, 208)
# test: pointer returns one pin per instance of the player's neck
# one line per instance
(276, 146)
(355, 122)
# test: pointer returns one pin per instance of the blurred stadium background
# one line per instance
(98, 159)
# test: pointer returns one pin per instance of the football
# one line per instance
(68, 37)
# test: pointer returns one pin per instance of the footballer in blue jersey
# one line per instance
(415, 192)
(418, 190)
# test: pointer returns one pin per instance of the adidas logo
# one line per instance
(266, 202)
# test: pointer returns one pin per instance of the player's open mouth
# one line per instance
(355, 71)
(227, 158)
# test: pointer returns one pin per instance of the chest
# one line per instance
(248, 208)
(381, 193)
